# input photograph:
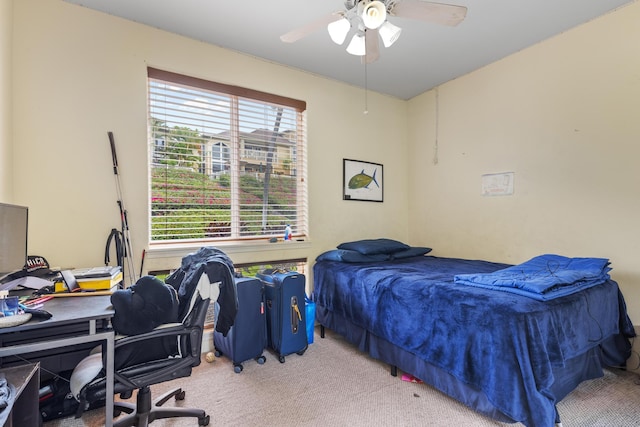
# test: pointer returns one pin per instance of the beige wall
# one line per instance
(561, 115)
(78, 73)
(564, 117)
(6, 170)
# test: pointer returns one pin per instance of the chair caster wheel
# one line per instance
(204, 421)
(180, 396)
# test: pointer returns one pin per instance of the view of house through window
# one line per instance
(226, 163)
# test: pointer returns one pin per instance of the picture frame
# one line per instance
(363, 181)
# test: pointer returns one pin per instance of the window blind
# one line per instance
(226, 163)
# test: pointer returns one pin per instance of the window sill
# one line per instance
(181, 249)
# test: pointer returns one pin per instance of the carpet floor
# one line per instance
(333, 384)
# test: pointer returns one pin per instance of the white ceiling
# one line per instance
(424, 56)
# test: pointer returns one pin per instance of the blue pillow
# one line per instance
(411, 252)
(343, 255)
(374, 246)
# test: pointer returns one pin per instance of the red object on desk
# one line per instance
(38, 300)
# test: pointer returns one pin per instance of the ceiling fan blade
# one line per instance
(438, 13)
(298, 33)
(372, 46)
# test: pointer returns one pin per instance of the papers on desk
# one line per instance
(29, 282)
(98, 278)
(96, 272)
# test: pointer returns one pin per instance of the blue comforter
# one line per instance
(544, 277)
(502, 344)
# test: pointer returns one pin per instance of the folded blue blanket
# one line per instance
(544, 277)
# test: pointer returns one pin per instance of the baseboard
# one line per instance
(633, 364)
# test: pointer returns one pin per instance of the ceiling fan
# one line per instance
(368, 18)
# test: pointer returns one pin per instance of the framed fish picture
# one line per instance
(362, 180)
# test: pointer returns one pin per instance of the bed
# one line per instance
(506, 351)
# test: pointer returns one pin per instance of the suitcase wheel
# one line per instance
(261, 359)
(237, 368)
(218, 353)
(281, 359)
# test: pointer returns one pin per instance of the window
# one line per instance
(219, 157)
(226, 163)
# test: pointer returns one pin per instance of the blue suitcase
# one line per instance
(247, 338)
(286, 323)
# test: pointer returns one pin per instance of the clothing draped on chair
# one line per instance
(219, 269)
(168, 351)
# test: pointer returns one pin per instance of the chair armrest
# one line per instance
(170, 330)
(166, 330)
(163, 326)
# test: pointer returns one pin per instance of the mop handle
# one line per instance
(126, 235)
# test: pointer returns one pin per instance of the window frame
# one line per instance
(233, 147)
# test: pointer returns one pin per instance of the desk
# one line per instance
(78, 311)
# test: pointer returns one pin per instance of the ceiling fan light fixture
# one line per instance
(357, 45)
(374, 13)
(389, 33)
(338, 30)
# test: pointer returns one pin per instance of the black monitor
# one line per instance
(13, 238)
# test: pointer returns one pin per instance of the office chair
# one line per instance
(168, 352)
